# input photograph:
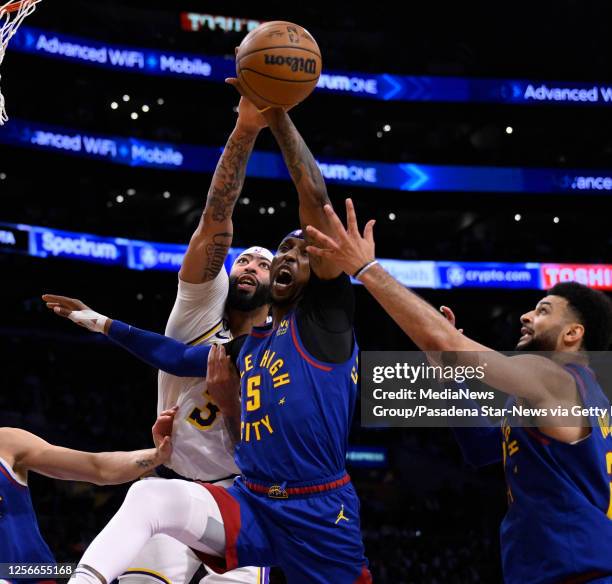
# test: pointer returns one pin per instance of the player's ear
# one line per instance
(574, 334)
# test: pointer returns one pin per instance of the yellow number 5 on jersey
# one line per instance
(253, 393)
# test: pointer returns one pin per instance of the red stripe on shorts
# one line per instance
(230, 513)
(365, 576)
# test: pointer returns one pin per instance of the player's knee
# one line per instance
(160, 500)
(139, 490)
(148, 495)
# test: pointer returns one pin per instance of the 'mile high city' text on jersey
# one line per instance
(296, 410)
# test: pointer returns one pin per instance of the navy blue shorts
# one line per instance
(313, 538)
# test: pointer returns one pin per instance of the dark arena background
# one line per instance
(477, 135)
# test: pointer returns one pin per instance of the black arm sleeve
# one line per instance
(325, 317)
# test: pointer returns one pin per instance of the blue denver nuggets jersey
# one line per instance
(20, 538)
(296, 410)
(558, 527)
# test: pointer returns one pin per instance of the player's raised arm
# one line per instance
(212, 238)
(305, 174)
(529, 376)
(31, 453)
(156, 350)
(307, 179)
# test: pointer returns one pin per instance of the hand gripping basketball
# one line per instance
(278, 64)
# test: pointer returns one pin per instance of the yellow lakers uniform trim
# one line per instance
(209, 333)
(147, 572)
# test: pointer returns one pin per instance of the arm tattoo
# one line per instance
(145, 463)
(229, 177)
(300, 161)
(216, 251)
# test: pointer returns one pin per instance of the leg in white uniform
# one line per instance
(183, 510)
(165, 560)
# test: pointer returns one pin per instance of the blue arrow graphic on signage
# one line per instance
(151, 62)
(417, 177)
(395, 87)
(419, 89)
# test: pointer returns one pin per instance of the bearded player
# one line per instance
(210, 307)
(558, 527)
(294, 505)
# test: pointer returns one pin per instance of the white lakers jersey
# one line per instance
(201, 444)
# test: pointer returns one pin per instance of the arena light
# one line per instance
(386, 128)
(556, 220)
(517, 217)
(126, 97)
(392, 216)
(134, 115)
(114, 105)
(509, 129)
(166, 195)
(145, 108)
(119, 199)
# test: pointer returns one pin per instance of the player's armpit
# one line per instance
(13, 444)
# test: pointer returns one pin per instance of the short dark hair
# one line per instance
(594, 311)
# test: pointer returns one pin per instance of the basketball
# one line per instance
(278, 64)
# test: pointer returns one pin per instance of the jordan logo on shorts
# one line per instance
(341, 515)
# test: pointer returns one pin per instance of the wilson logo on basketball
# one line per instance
(294, 63)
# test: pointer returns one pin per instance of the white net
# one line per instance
(12, 14)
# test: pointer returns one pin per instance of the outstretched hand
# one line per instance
(260, 107)
(346, 247)
(162, 434)
(262, 110)
(78, 312)
(249, 118)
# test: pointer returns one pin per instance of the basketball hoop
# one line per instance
(12, 14)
